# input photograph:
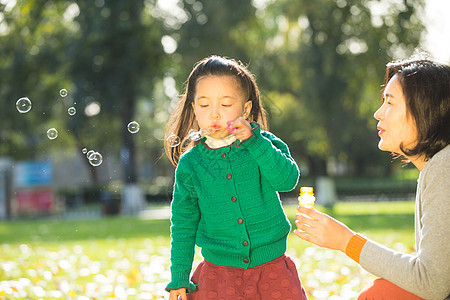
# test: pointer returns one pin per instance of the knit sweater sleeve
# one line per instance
(426, 273)
(273, 158)
(185, 218)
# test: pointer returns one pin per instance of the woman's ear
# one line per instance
(247, 109)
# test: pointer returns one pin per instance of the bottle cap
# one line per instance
(306, 190)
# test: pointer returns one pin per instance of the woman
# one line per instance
(413, 122)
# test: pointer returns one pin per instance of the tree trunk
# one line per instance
(128, 152)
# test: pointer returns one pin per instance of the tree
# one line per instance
(204, 28)
(324, 61)
(32, 40)
(117, 48)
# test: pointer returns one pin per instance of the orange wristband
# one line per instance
(354, 247)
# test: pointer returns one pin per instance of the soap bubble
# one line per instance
(52, 133)
(186, 142)
(71, 110)
(133, 127)
(95, 159)
(207, 131)
(84, 151)
(89, 153)
(173, 140)
(197, 135)
(194, 135)
(23, 105)
(63, 93)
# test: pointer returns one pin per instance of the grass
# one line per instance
(128, 257)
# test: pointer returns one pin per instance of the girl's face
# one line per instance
(395, 126)
(219, 99)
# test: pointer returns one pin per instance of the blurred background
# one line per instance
(319, 65)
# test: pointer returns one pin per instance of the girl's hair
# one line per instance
(426, 87)
(182, 118)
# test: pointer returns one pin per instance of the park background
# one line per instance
(320, 68)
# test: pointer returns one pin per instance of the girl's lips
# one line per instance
(380, 130)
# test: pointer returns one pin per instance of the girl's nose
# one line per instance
(214, 115)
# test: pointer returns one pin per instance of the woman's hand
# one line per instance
(321, 229)
(175, 293)
(241, 129)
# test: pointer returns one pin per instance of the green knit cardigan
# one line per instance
(226, 201)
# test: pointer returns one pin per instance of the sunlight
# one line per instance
(9, 4)
(436, 39)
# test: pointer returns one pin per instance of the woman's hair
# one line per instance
(426, 87)
(182, 118)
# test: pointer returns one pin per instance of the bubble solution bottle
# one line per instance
(306, 197)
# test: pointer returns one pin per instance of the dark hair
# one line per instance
(182, 118)
(426, 87)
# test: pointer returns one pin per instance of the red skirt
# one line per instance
(276, 279)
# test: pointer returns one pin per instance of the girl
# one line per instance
(226, 187)
(413, 121)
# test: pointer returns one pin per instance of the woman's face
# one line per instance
(219, 99)
(395, 126)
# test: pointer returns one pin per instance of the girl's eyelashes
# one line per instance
(207, 105)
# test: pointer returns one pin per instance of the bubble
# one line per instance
(71, 110)
(173, 140)
(89, 153)
(84, 151)
(95, 159)
(52, 133)
(207, 131)
(63, 93)
(186, 143)
(23, 105)
(194, 135)
(133, 127)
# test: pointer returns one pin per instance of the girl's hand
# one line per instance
(321, 229)
(241, 129)
(175, 293)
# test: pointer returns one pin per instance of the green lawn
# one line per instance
(128, 258)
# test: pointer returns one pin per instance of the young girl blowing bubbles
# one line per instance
(225, 197)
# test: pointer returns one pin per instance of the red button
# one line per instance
(234, 199)
(223, 155)
(240, 220)
(228, 176)
(246, 260)
(245, 243)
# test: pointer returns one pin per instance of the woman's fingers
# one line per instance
(307, 225)
(303, 235)
(321, 229)
(303, 220)
(310, 212)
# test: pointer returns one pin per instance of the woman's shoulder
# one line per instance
(439, 162)
(442, 156)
